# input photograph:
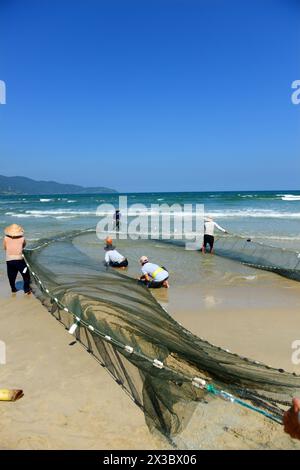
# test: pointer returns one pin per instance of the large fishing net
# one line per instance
(259, 255)
(164, 368)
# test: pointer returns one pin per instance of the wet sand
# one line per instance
(251, 312)
(261, 324)
(70, 401)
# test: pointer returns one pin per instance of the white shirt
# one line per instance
(150, 268)
(113, 256)
(209, 227)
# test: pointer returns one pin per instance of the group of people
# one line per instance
(153, 275)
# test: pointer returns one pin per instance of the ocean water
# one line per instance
(271, 216)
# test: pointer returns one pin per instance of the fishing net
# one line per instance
(281, 261)
(164, 368)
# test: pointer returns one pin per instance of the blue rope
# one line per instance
(227, 396)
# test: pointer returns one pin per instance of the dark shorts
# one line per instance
(123, 264)
(209, 240)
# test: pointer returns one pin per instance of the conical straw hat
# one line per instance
(14, 230)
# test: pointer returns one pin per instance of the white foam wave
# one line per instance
(23, 216)
(259, 213)
(45, 200)
(59, 212)
(290, 197)
(216, 214)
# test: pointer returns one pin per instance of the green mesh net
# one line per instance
(164, 368)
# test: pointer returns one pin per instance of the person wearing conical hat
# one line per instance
(13, 245)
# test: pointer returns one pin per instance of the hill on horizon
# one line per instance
(14, 185)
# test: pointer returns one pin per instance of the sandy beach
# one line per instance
(70, 401)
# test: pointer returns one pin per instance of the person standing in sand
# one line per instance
(13, 244)
(209, 230)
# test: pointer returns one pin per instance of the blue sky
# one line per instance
(160, 95)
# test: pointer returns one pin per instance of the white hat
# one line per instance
(143, 259)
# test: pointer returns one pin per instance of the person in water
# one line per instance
(209, 230)
(291, 419)
(13, 244)
(112, 257)
(153, 275)
(117, 217)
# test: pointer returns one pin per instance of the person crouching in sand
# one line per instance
(209, 230)
(153, 275)
(113, 258)
(13, 244)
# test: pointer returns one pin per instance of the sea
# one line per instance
(269, 216)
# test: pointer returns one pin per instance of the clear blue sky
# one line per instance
(151, 95)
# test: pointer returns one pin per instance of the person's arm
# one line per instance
(291, 419)
(4, 244)
(24, 243)
(220, 228)
(107, 258)
(145, 275)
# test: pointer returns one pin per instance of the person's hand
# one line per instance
(291, 419)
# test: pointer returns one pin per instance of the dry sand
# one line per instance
(70, 401)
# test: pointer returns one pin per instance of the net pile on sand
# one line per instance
(164, 368)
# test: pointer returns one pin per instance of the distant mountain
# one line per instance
(14, 185)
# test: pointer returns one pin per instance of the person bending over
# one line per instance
(113, 258)
(13, 244)
(209, 230)
(153, 275)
